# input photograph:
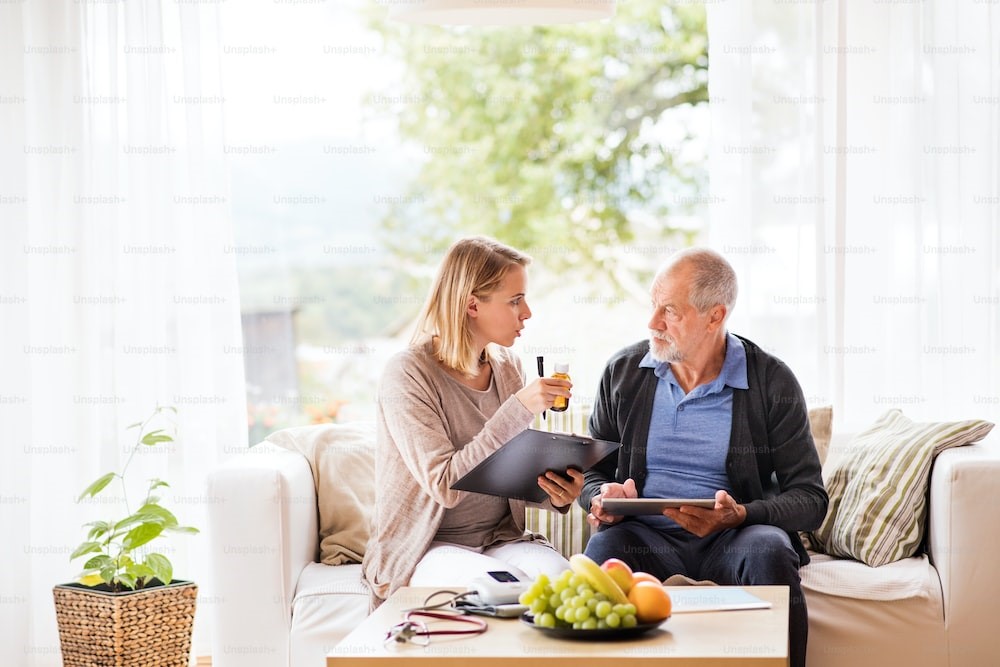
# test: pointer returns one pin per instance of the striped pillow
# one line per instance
(878, 487)
(568, 532)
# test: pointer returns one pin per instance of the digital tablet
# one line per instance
(512, 471)
(633, 506)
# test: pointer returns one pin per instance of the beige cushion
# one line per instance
(903, 579)
(821, 425)
(568, 533)
(878, 487)
(343, 465)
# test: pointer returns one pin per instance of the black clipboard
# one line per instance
(512, 471)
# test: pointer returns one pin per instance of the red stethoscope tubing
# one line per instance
(443, 616)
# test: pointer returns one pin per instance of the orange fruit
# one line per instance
(652, 602)
(644, 576)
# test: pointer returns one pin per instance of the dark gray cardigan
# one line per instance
(772, 462)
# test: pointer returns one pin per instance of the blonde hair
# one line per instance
(473, 266)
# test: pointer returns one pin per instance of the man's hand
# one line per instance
(597, 514)
(700, 521)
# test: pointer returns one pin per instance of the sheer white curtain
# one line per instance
(118, 286)
(855, 183)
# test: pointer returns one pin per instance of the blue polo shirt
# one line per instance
(689, 433)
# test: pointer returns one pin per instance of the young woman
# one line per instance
(456, 395)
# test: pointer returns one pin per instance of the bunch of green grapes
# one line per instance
(571, 602)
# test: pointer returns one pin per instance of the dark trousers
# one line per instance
(751, 556)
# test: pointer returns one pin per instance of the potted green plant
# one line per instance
(126, 608)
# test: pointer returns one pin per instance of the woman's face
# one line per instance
(499, 317)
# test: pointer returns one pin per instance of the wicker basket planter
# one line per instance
(150, 627)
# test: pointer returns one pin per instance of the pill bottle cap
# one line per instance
(562, 368)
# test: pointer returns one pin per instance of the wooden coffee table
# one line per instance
(753, 638)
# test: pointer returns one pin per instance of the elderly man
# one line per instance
(703, 413)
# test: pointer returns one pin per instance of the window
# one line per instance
(360, 149)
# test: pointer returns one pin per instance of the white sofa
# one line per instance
(278, 606)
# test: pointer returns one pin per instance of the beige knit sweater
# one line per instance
(423, 447)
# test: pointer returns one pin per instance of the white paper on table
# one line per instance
(713, 598)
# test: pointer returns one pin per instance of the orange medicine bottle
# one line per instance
(561, 402)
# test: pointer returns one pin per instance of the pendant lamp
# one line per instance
(499, 12)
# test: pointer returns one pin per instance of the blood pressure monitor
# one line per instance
(498, 587)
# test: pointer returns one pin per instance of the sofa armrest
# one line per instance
(963, 543)
(262, 533)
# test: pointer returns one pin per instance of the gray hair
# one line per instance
(713, 278)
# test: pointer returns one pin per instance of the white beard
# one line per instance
(664, 351)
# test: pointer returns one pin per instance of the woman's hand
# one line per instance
(562, 491)
(540, 394)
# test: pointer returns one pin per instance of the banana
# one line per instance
(600, 580)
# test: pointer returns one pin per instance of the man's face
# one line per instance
(676, 329)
